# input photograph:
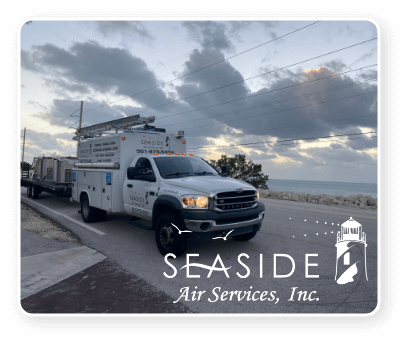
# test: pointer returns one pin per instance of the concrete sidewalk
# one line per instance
(102, 288)
(43, 270)
(65, 277)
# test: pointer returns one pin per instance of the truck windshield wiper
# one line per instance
(190, 173)
(203, 173)
(177, 174)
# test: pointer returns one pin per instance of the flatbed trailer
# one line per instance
(49, 174)
(34, 188)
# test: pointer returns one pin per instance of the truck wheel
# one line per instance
(100, 215)
(88, 213)
(246, 236)
(29, 191)
(35, 192)
(168, 239)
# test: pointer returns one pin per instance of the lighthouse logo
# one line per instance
(351, 252)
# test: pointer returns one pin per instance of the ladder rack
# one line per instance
(117, 124)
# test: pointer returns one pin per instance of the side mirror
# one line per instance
(224, 171)
(131, 172)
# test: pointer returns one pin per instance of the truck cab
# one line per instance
(147, 173)
(183, 196)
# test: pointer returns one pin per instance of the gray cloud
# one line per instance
(362, 144)
(126, 30)
(210, 34)
(336, 146)
(269, 27)
(372, 53)
(38, 144)
(89, 68)
(272, 120)
(336, 66)
(100, 69)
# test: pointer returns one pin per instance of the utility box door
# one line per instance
(75, 186)
(107, 181)
(90, 181)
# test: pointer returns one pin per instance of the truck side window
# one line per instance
(144, 168)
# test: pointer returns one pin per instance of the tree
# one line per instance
(241, 169)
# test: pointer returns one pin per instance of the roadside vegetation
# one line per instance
(354, 201)
(34, 222)
(240, 168)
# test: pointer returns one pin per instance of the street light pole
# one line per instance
(80, 124)
(22, 158)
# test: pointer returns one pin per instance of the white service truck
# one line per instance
(146, 173)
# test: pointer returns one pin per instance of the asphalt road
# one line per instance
(284, 231)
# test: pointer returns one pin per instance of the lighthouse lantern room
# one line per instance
(351, 230)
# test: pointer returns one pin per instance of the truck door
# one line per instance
(139, 192)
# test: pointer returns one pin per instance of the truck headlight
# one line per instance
(195, 202)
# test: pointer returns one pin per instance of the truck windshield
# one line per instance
(177, 167)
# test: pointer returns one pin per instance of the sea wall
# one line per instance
(355, 201)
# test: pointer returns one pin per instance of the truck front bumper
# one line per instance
(210, 224)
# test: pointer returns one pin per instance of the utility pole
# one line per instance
(80, 124)
(22, 159)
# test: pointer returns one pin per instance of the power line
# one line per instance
(59, 121)
(202, 44)
(295, 143)
(253, 77)
(46, 139)
(340, 87)
(286, 140)
(176, 58)
(295, 108)
(70, 127)
(275, 112)
(317, 122)
(267, 92)
(291, 144)
(203, 68)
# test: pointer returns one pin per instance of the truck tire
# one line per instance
(88, 213)
(35, 192)
(168, 239)
(246, 236)
(29, 191)
(100, 215)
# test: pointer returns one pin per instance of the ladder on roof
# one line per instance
(121, 123)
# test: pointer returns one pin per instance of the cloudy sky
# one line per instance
(224, 83)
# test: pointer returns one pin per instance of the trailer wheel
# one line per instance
(168, 239)
(246, 236)
(35, 192)
(88, 213)
(29, 191)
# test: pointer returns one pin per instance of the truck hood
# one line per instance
(209, 184)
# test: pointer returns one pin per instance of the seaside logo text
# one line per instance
(350, 260)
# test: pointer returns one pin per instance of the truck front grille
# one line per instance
(233, 200)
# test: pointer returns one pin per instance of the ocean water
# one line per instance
(328, 188)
